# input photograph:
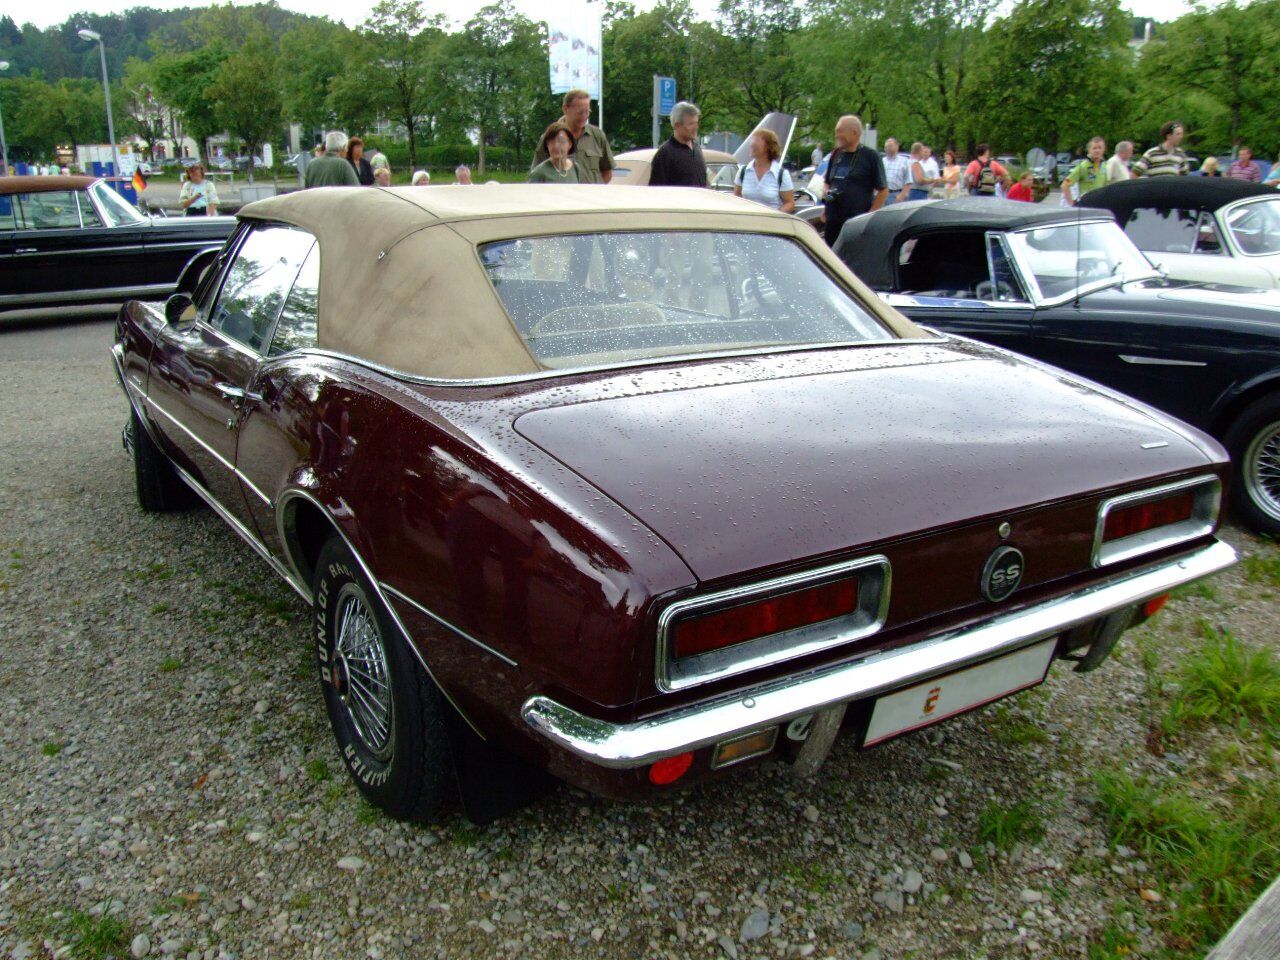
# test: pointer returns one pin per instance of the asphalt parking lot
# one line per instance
(170, 777)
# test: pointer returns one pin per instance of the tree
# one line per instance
(1215, 70)
(1054, 73)
(246, 95)
(311, 55)
(399, 48)
(143, 112)
(184, 80)
(751, 69)
(638, 47)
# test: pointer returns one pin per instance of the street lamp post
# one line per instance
(94, 37)
(668, 24)
(4, 149)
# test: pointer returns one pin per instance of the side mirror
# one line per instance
(179, 308)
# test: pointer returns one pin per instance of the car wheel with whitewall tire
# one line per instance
(1254, 442)
(387, 714)
(160, 489)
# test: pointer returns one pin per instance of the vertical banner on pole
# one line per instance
(573, 47)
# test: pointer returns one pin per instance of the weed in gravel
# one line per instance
(159, 608)
(1201, 588)
(1006, 825)
(1263, 568)
(87, 936)
(154, 571)
(170, 664)
(1113, 942)
(301, 900)
(1217, 856)
(51, 749)
(1016, 731)
(282, 608)
(811, 876)
(465, 835)
(1226, 682)
(318, 771)
(367, 813)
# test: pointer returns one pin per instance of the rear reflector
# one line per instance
(1154, 605)
(729, 752)
(723, 628)
(670, 769)
(1127, 521)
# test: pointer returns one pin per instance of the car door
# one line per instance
(203, 368)
(64, 253)
(1000, 313)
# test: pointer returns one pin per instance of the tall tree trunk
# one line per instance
(410, 128)
(480, 165)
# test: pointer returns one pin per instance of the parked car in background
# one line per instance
(1068, 287)
(631, 168)
(639, 486)
(1210, 229)
(73, 243)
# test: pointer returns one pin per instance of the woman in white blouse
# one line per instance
(763, 179)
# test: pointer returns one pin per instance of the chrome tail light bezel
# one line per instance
(875, 578)
(1206, 506)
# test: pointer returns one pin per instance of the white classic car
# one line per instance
(1206, 229)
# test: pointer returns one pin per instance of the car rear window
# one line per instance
(588, 299)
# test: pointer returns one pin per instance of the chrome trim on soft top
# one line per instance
(635, 744)
(1205, 509)
(873, 607)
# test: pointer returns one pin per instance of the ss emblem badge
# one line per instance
(1002, 573)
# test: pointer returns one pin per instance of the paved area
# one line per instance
(170, 778)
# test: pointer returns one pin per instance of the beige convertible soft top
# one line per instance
(402, 285)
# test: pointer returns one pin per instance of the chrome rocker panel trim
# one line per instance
(627, 745)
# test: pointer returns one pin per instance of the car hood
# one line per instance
(739, 476)
(1186, 298)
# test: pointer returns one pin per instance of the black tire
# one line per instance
(160, 489)
(1254, 443)
(402, 765)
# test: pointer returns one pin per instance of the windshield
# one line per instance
(1255, 227)
(592, 299)
(1066, 256)
(115, 208)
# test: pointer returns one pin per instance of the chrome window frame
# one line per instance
(1038, 298)
(1204, 517)
(671, 674)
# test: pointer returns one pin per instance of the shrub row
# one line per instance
(446, 156)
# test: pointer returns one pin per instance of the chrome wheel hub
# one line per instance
(1261, 469)
(358, 673)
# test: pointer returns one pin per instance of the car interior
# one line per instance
(955, 265)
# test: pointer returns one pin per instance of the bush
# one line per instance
(446, 156)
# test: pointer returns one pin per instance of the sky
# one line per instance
(47, 13)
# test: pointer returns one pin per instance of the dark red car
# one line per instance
(636, 485)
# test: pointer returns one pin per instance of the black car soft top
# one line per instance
(1171, 193)
(869, 243)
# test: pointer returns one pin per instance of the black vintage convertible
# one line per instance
(1068, 287)
(71, 243)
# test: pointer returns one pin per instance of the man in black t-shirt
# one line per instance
(855, 179)
(679, 161)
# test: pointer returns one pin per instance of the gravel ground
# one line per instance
(168, 762)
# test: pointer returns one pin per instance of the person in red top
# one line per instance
(1022, 189)
(984, 173)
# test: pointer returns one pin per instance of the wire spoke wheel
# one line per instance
(359, 672)
(1261, 469)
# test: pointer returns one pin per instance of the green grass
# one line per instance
(89, 937)
(1263, 568)
(51, 749)
(1005, 825)
(1213, 858)
(159, 608)
(170, 664)
(1113, 942)
(1201, 588)
(811, 876)
(153, 571)
(318, 771)
(1227, 683)
(367, 813)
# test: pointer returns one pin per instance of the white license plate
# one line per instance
(936, 700)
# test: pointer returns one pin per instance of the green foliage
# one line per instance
(184, 80)
(311, 56)
(1263, 567)
(90, 937)
(1216, 858)
(1054, 73)
(246, 95)
(318, 771)
(1005, 825)
(1227, 683)
(1114, 942)
(51, 749)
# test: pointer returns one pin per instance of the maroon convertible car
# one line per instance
(637, 485)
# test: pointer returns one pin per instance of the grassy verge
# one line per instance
(1213, 838)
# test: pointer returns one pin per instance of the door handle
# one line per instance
(237, 395)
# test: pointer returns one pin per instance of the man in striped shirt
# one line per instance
(1244, 168)
(1165, 159)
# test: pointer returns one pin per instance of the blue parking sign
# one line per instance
(666, 95)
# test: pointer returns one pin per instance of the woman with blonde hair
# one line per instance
(763, 179)
(198, 196)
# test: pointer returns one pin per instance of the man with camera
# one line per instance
(855, 179)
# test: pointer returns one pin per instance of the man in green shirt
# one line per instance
(591, 152)
(332, 169)
(1087, 175)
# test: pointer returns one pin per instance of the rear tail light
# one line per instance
(760, 618)
(744, 628)
(1155, 605)
(1151, 520)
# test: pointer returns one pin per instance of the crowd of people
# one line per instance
(340, 161)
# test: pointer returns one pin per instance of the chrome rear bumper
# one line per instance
(701, 724)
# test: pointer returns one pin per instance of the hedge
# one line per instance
(446, 156)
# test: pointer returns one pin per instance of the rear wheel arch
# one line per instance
(1235, 404)
(305, 527)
